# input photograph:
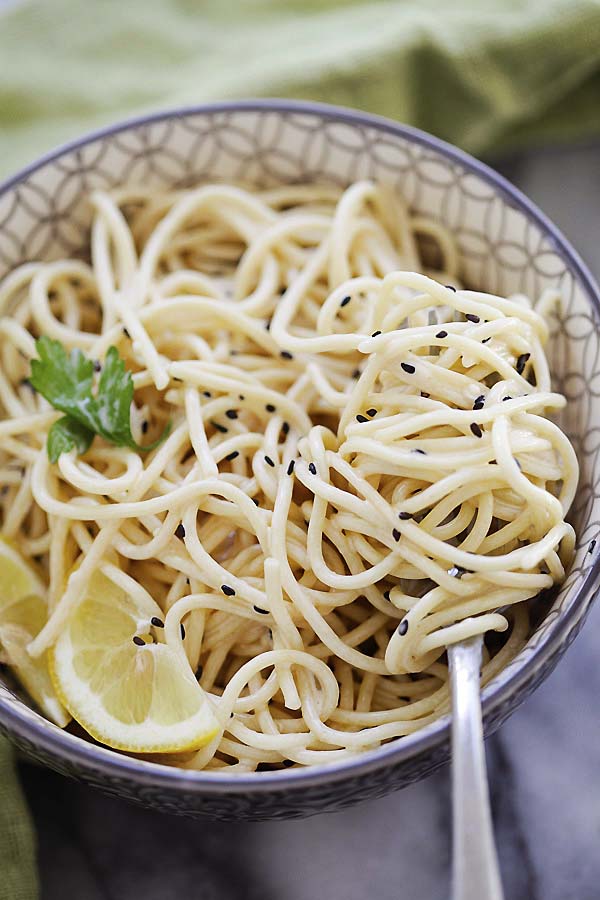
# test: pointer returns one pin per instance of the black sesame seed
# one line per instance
(97, 365)
(408, 368)
(227, 590)
(270, 408)
(241, 397)
(522, 362)
(485, 340)
(290, 468)
(418, 450)
(356, 373)
(402, 627)
(285, 354)
(207, 393)
(144, 426)
(233, 455)
(158, 623)
(376, 334)
(442, 334)
(286, 428)
(231, 414)
(404, 516)
(476, 429)
(425, 395)
(372, 412)
(180, 531)
(506, 398)
(126, 333)
(312, 468)
(346, 301)
(220, 428)
(138, 641)
(263, 612)
(386, 595)
(451, 288)
(478, 406)
(361, 419)
(396, 534)
(269, 461)
(470, 317)
(182, 631)
(591, 546)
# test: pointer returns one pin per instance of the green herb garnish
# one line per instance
(66, 382)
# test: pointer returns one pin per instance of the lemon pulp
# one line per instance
(139, 697)
(23, 613)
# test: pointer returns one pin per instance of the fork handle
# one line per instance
(475, 871)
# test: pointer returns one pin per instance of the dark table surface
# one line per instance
(544, 763)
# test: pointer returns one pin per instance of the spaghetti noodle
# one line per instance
(360, 470)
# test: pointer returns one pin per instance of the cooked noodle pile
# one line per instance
(359, 472)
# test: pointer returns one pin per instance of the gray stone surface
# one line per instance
(544, 764)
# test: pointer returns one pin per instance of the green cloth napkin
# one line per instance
(484, 74)
(480, 73)
(18, 873)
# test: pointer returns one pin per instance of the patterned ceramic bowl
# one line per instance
(506, 244)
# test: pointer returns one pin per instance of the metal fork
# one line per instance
(475, 870)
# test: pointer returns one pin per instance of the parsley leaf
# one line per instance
(113, 402)
(65, 434)
(66, 381)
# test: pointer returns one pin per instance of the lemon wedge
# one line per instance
(137, 696)
(23, 613)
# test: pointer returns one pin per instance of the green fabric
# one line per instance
(484, 74)
(481, 73)
(18, 877)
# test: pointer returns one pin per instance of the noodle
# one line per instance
(359, 473)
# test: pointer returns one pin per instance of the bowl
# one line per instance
(506, 245)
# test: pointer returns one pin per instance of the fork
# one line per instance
(475, 870)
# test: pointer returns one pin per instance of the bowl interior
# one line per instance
(506, 246)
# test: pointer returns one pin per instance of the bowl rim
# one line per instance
(33, 728)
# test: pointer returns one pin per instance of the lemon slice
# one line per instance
(139, 697)
(23, 613)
